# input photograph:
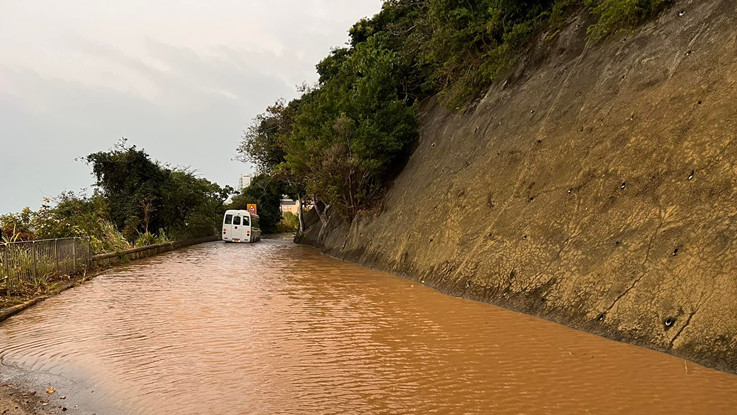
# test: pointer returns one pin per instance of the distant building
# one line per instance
(288, 205)
(244, 181)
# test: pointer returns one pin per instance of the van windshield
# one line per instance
(228, 219)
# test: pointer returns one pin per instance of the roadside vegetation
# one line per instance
(622, 15)
(340, 143)
(266, 192)
(289, 223)
(136, 202)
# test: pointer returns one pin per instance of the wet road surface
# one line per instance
(276, 328)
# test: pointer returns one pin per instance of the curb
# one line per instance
(11, 311)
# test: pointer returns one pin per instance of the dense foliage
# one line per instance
(343, 139)
(137, 202)
(289, 223)
(615, 15)
(79, 216)
(71, 216)
(145, 197)
(17, 226)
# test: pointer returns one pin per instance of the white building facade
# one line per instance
(288, 205)
(244, 181)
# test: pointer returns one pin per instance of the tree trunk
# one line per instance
(299, 214)
(322, 215)
(323, 219)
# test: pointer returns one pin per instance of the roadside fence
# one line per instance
(30, 264)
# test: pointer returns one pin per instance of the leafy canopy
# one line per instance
(137, 201)
(266, 192)
(145, 197)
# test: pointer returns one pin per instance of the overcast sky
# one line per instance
(181, 79)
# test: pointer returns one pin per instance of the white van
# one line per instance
(240, 226)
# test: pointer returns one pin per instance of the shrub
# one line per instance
(79, 216)
(617, 15)
(145, 196)
(147, 238)
(266, 192)
(17, 227)
(288, 223)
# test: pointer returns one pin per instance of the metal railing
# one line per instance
(30, 264)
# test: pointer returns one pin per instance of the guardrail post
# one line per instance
(74, 255)
(35, 270)
(56, 255)
(5, 267)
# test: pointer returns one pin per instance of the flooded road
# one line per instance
(275, 328)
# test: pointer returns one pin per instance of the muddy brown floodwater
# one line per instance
(276, 328)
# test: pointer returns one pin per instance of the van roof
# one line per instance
(239, 212)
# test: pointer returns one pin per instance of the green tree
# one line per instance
(266, 192)
(79, 216)
(265, 145)
(132, 184)
(262, 141)
(351, 132)
(145, 197)
(192, 206)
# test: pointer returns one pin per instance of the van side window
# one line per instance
(228, 219)
(245, 221)
(237, 220)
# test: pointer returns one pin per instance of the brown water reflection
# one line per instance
(277, 328)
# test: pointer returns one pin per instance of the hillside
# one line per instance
(596, 187)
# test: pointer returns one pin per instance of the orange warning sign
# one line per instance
(252, 208)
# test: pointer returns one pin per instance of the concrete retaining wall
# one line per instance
(114, 258)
